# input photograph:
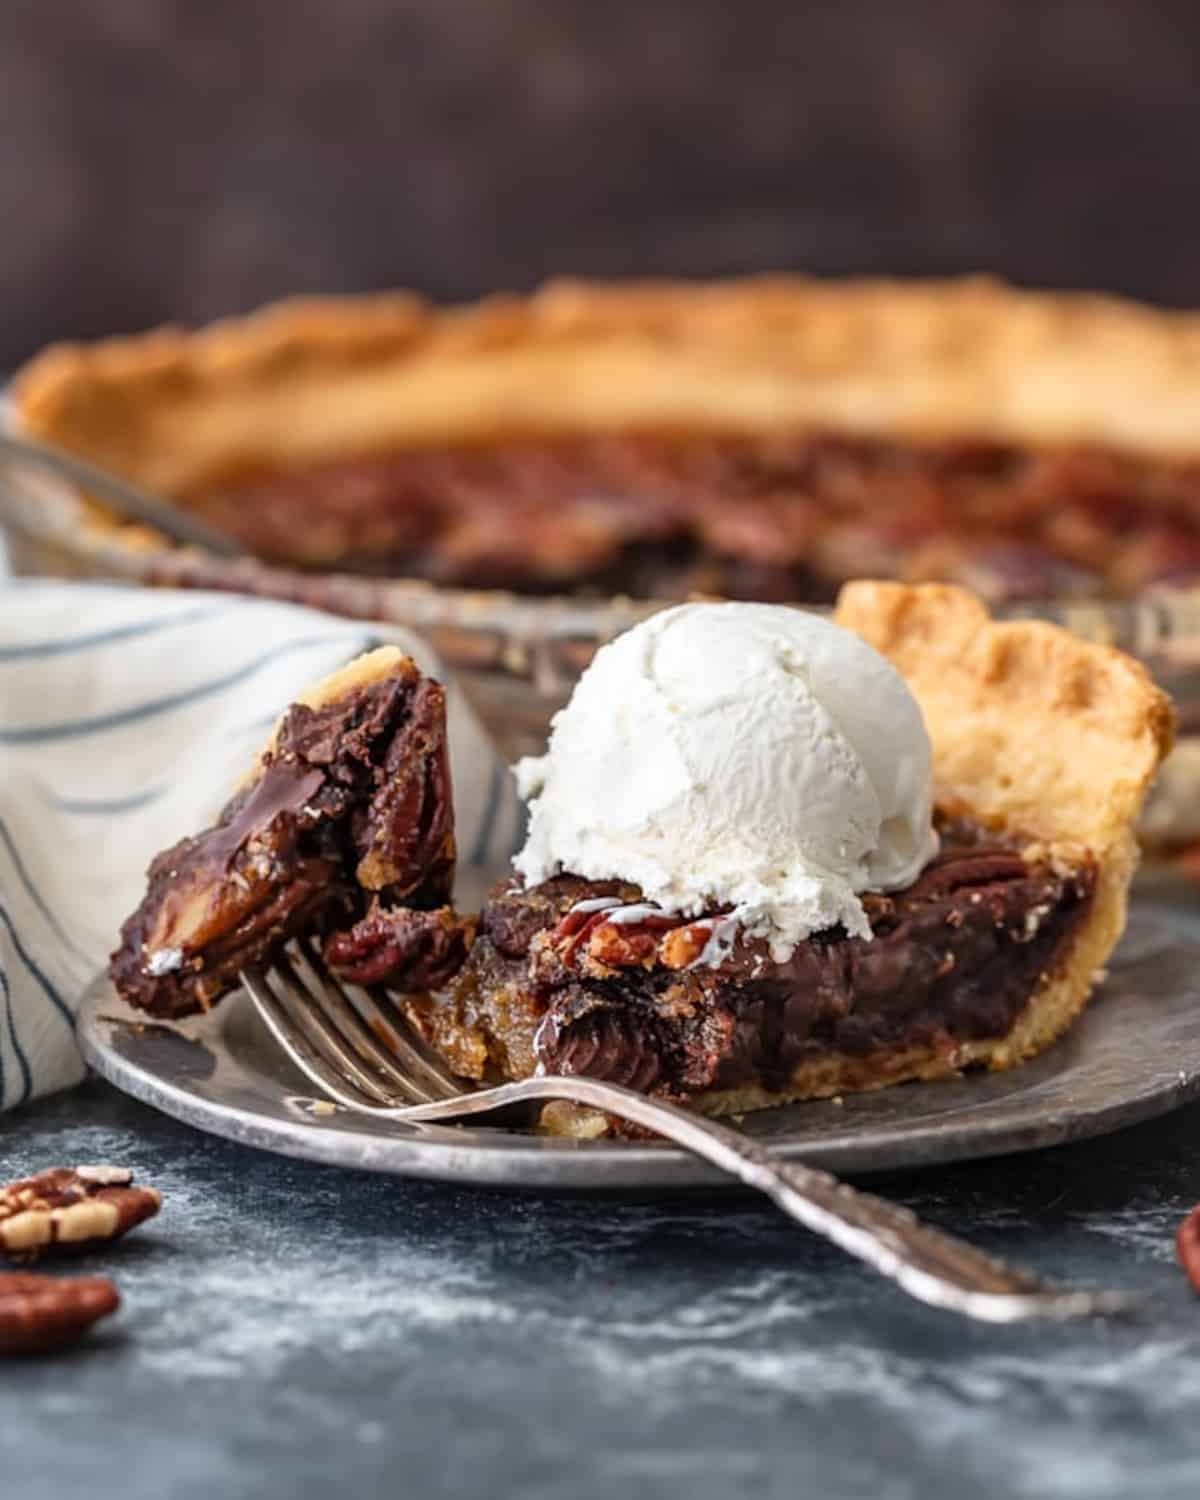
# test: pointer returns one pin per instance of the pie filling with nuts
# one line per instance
(661, 516)
(344, 831)
(582, 977)
(1043, 747)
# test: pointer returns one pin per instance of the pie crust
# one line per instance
(314, 379)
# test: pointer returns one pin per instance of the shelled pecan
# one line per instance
(39, 1314)
(1187, 1245)
(74, 1206)
(405, 949)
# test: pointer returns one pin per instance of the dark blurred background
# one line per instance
(177, 159)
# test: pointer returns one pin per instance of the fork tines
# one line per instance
(357, 1040)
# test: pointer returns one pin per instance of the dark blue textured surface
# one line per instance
(294, 1330)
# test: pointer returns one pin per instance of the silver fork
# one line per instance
(335, 1035)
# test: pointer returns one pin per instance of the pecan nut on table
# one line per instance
(1187, 1246)
(41, 1314)
(71, 1206)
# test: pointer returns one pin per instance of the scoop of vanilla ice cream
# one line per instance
(742, 755)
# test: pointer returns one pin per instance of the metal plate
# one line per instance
(1135, 1053)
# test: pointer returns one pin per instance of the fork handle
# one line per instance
(929, 1264)
(131, 503)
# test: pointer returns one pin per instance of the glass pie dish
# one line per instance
(522, 479)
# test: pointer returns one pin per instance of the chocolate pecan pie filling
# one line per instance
(578, 977)
(347, 831)
(779, 518)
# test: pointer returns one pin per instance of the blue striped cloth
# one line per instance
(125, 718)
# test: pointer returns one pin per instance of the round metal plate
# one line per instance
(1135, 1053)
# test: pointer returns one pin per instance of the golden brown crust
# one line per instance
(321, 377)
(372, 666)
(1036, 733)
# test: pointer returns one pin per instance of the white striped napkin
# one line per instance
(125, 718)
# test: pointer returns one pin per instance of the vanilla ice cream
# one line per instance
(741, 755)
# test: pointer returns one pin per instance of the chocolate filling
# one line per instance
(352, 806)
(779, 518)
(954, 958)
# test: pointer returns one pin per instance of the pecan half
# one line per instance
(408, 950)
(73, 1206)
(406, 837)
(39, 1314)
(1187, 1246)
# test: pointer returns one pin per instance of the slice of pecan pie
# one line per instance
(344, 828)
(1043, 749)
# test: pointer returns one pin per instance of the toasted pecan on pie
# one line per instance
(346, 822)
(1043, 749)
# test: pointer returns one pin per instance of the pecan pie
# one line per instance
(345, 828)
(1043, 748)
(763, 439)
